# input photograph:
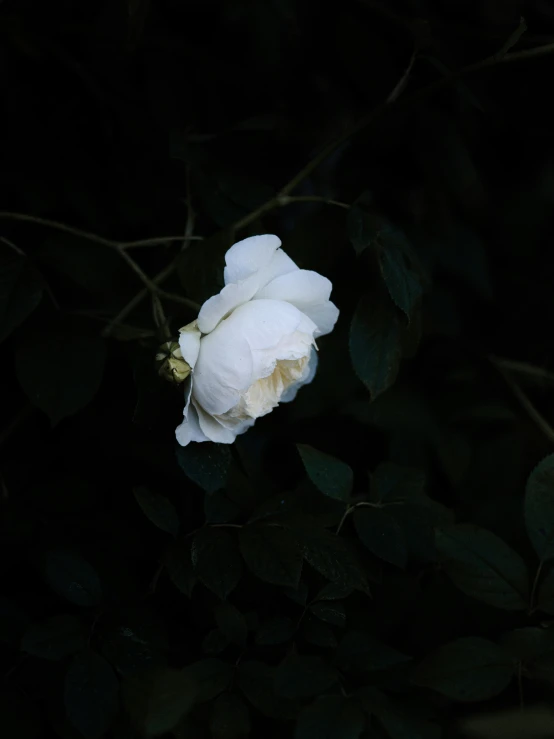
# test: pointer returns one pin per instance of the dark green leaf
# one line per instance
(539, 508)
(72, 577)
(362, 651)
(381, 534)
(90, 694)
(531, 723)
(318, 633)
(331, 476)
(333, 558)
(298, 595)
(158, 509)
(529, 643)
(216, 560)
(277, 630)
(178, 562)
(333, 591)
(375, 346)
(215, 642)
(272, 554)
(483, 566)
(256, 680)
(467, 670)
(417, 524)
(231, 622)
(55, 638)
(20, 289)
(134, 642)
(330, 611)
(205, 464)
(403, 284)
(211, 677)
(68, 374)
(545, 598)
(300, 676)
(391, 483)
(157, 699)
(229, 717)
(218, 508)
(330, 717)
(399, 725)
(361, 224)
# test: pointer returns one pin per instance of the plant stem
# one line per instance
(534, 587)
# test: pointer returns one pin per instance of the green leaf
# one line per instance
(218, 508)
(157, 699)
(68, 374)
(55, 638)
(330, 475)
(466, 670)
(403, 284)
(381, 534)
(318, 633)
(417, 524)
(399, 725)
(330, 611)
(231, 623)
(539, 508)
(361, 651)
(301, 676)
(133, 642)
(72, 577)
(256, 680)
(333, 558)
(545, 597)
(330, 717)
(531, 723)
(483, 566)
(20, 289)
(90, 694)
(333, 591)
(205, 464)
(211, 677)
(215, 642)
(361, 224)
(229, 717)
(272, 554)
(216, 560)
(178, 562)
(375, 346)
(158, 509)
(277, 630)
(392, 483)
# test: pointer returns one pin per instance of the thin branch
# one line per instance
(16, 249)
(289, 199)
(532, 598)
(525, 369)
(537, 418)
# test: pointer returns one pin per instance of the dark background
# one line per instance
(123, 118)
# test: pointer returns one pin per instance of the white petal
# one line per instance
(212, 428)
(309, 292)
(189, 342)
(249, 256)
(189, 430)
(311, 367)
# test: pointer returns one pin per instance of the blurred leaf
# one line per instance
(333, 558)
(229, 717)
(361, 651)
(215, 642)
(55, 638)
(375, 346)
(539, 508)
(20, 289)
(483, 566)
(276, 630)
(218, 508)
(157, 699)
(532, 723)
(134, 642)
(72, 577)
(256, 680)
(91, 694)
(331, 476)
(545, 598)
(330, 717)
(68, 374)
(298, 595)
(231, 622)
(330, 611)
(272, 554)
(470, 669)
(333, 591)
(318, 633)
(416, 523)
(216, 560)
(402, 726)
(381, 534)
(178, 562)
(158, 509)
(211, 677)
(391, 483)
(205, 464)
(300, 676)
(529, 643)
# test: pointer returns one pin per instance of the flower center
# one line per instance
(263, 395)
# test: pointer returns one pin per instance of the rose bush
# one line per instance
(253, 344)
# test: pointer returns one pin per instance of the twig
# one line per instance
(532, 605)
(523, 368)
(537, 418)
(289, 199)
(16, 249)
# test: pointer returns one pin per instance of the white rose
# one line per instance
(252, 345)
